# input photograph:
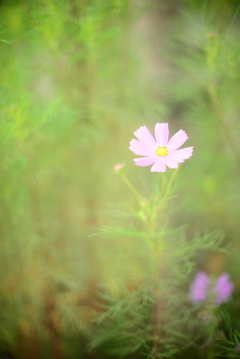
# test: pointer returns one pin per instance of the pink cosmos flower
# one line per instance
(159, 152)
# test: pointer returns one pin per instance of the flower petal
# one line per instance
(144, 136)
(140, 149)
(159, 165)
(171, 162)
(181, 155)
(161, 134)
(177, 140)
(199, 287)
(223, 288)
(145, 161)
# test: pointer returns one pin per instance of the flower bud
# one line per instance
(118, 167)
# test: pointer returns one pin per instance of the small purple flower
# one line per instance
(223, 288)
(199, 287)
(237, 349)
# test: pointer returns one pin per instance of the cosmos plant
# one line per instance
(159, 152)
(141, 301)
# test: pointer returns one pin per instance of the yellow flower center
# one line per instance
(161, 151)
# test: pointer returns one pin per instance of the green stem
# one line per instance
(162, 190)
(155, 266)
(168, 188)
(130, 186)
(212, 327)
(171, 182)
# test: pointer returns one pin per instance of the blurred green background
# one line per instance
(78, 77)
